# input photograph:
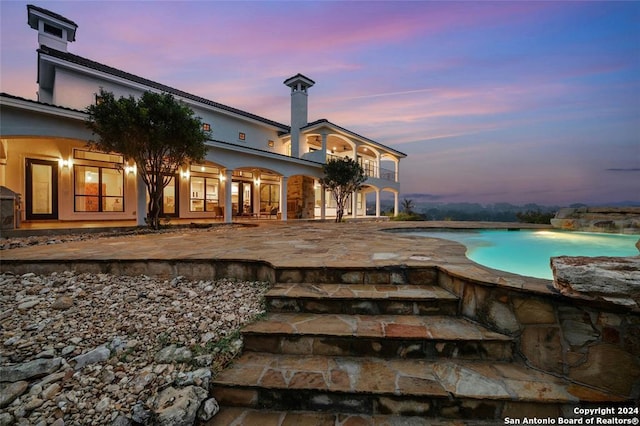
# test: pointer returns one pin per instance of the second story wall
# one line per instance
(75, 89)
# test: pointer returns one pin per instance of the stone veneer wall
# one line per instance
(300, 189)
(589, 342)
(599, 219)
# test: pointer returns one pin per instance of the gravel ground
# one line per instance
(68, 316)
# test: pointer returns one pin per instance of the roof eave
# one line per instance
(323, 122)
(122, 77)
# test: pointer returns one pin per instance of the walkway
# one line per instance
(293, 244)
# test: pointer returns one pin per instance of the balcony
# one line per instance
(371, 170)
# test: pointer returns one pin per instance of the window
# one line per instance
(269, 198)
(201, 168)
(242, 174)
(98, 189)
(98, 156)
(204, 194)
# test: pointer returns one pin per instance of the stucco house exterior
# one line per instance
(254, 167)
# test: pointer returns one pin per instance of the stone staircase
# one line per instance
(372, 354)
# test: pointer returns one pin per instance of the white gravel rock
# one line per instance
(125, 321)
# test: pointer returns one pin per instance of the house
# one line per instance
(254, 166)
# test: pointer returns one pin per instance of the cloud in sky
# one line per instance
(493, 101)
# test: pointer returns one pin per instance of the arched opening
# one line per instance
(255, 192)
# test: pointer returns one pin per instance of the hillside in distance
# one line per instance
(494, 212)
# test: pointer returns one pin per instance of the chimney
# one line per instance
(299, 110)
(54, 30)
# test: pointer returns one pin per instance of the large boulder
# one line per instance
(599, 219)
(32, 369)
(616, 279)
(178, 407)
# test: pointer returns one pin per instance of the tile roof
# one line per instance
(7, 95)
(79, 60)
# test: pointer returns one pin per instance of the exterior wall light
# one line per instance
(65, 164)
(270, 143)
(130, 169)
(185, 174)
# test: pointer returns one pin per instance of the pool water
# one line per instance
(527, 252)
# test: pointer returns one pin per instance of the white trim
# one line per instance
(263, 154)
(42, 108)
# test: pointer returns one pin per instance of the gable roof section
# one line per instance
(324, 121)
(88, 63)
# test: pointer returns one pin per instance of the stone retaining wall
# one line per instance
(589, 342)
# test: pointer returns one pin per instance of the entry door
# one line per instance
(242, 197)
(41, 201)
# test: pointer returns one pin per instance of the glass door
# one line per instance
(241, 198)
(170, 199)
(41, 201)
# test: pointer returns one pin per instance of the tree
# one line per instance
(342, 176)
(407, 206)
(157, 132)
(535, 216)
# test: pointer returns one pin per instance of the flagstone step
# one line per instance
(364, 385)
(239, 416)
(385, 336)
(369, 299)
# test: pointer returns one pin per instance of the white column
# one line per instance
(141, 193)
(323, 203)
(355, 194)
(324, 147)
(283, 198)
(228, 178)
(354, 204)
(377, 202)
(395, 204)
(256, 196)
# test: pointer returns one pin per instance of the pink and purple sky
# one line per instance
(492, 101)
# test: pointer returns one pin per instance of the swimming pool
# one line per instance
(527, 252)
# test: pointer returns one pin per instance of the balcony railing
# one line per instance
(387, 174)
(371, 170)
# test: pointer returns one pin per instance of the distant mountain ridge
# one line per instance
(431, 209)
